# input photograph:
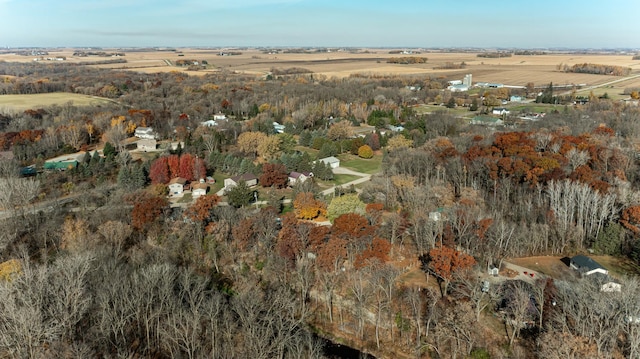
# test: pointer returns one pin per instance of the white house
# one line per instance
(145, 132)
(145, 144)
(331, 161)
(299, 177)
(209, 123)
(199, 189)
(500, 111)
(586, 266)
(249, 178)
(220, 117)
(176, 186)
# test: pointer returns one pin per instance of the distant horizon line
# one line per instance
(466, 48)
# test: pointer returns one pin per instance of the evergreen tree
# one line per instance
(239, 195)
(109, 150)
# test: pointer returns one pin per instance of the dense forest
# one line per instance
(97, 260)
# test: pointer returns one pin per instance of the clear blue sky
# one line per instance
(358, 23)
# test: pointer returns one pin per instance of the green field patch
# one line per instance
(40, 100)
(340, 179)
(534, 108)
(368, 166)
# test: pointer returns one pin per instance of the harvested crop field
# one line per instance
(25, 102)
(516, 70)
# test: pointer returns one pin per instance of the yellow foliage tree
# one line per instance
(397, 142)
(307, 207)
(248, 142)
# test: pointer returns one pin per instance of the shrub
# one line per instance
(365, 151)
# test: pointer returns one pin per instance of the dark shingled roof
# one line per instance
(584, 262)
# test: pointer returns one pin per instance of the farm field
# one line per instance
(517, 70)
(25, 102)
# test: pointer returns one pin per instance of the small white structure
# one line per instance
(176, 186)
(220, 117)
(278, 127)
(611, 287)
(299, 177)
(199, 189)
(331, 161)
(435, 216)
(145, 132)
(209, 123)
(500, 111)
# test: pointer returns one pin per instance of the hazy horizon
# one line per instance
(544, 24)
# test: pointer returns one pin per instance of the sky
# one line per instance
(321, 23)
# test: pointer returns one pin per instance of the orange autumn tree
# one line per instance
(377, 251)
(200, 211)
(306, 206)
(444, 262)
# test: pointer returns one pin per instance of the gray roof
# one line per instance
(584, 262)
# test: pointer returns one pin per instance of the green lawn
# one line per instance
(33, 101)
(369, 166)
(340, 179)
(458, 111)
(219, 177)
(535, 108)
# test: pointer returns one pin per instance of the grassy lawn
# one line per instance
(615, 93)
(458, 111)
(32, 101)
(618, 266)
(535, 107)
(187, 198)
(340, 179)
(219, 177)
(358, 164)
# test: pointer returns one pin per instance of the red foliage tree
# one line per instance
(274, 174)
(159, 171)
(200, 211)
(244, 234)
(173, 162)
(352, 226)
(186, 167)
(378, 251)
(445, 261)
(146, 209)
(199, 168)
(332, 254)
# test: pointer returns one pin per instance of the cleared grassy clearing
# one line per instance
(340, 179)
(369, 166)
(25, 102)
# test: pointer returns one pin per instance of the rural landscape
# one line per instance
(316, 202)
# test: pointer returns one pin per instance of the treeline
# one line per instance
(407, 60)
(494, 55)
(290, 71)
(451, 66)
(598, 69)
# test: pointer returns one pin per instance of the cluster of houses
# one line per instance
(587, 267)
(178, 187)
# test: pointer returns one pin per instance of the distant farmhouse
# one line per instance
(461, 86)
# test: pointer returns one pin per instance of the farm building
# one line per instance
(176, 186)
(331, 161)
(586, 265)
